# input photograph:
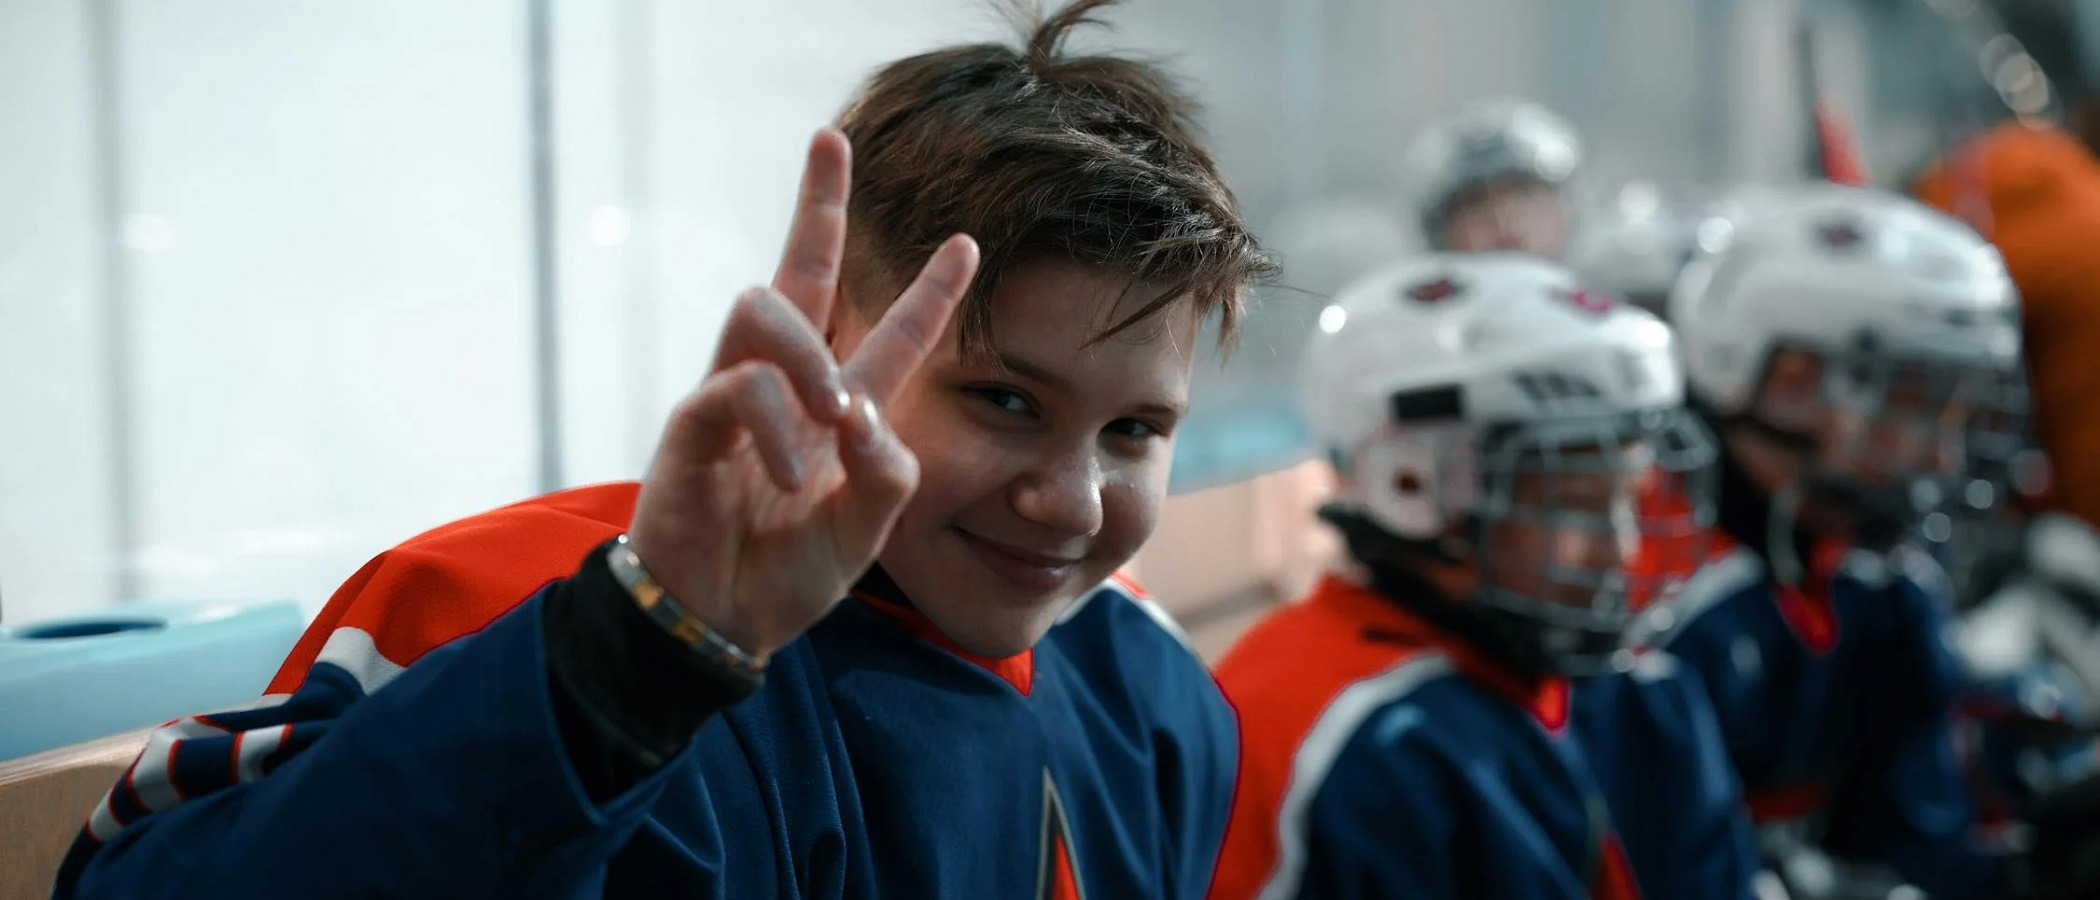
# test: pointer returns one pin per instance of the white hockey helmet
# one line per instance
(1483, 143)
(1639, 243)
(1438, 385)
(1910, 315)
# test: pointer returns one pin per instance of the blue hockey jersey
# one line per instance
(1835, 700)
(407, 749)
(1384, 759)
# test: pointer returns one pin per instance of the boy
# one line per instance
(692, 710)
(1493, 177)
(1455, 717)
(1847, 347)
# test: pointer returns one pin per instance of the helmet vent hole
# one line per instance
(1408, 482)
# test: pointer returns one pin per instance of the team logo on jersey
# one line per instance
(1840, 235)
(1057, 872)
(1436, 291)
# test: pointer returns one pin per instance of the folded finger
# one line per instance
(754, 399)
(765, 326)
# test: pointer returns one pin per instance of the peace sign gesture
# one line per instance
(777, 480)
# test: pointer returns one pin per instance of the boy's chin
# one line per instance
(996, 628)
(998, 633)
(972, 604)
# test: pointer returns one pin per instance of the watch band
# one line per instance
(667, 612)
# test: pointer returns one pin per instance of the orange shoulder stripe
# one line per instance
(455, 579)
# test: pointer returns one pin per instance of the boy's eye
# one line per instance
(1005, 400)
(1135, 428)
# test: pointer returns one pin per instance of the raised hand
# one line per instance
(777, 480)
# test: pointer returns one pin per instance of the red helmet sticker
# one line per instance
(1436, 291)
(1840, 235)
(1596, 302)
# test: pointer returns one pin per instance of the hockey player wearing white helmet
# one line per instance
(1853, 350)
(1457, 715)
(1492, 177)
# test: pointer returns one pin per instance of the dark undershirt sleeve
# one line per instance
(627, 695)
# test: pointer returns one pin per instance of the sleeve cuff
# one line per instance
(627, 696)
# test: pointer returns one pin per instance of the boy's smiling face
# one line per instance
(1038, 478)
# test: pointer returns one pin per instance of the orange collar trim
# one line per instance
(1808, 610)
(1017, 670)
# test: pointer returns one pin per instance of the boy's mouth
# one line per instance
(1028, 570)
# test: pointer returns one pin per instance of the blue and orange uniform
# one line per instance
(418, 743)
(1383, 756)
(1836, 696)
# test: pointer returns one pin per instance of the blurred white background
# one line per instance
(276, 275)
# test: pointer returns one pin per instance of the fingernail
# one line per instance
(870, 423)
(794, 473)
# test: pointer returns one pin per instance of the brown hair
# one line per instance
(1040, 155)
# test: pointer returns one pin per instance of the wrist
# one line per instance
(716, 637)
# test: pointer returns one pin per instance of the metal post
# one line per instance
(113, 192)
(539, 71)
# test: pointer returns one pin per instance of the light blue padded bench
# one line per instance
(134, 665)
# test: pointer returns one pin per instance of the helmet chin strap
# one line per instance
(1783, 516)
(1373, 545)
(1779, 537)
(1392, 563)
(1879, 516)
(1786, 439)
(1766, 520)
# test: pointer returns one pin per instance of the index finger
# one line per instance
(809, 265)
(911, 327)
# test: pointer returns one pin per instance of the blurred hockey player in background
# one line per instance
(2033, 189)
(2032, 632)
(1455, 716)
(1848, 347)
(1494, 176)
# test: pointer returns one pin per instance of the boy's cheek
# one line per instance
(954, 451)
(1130, 511)
(931, 417)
